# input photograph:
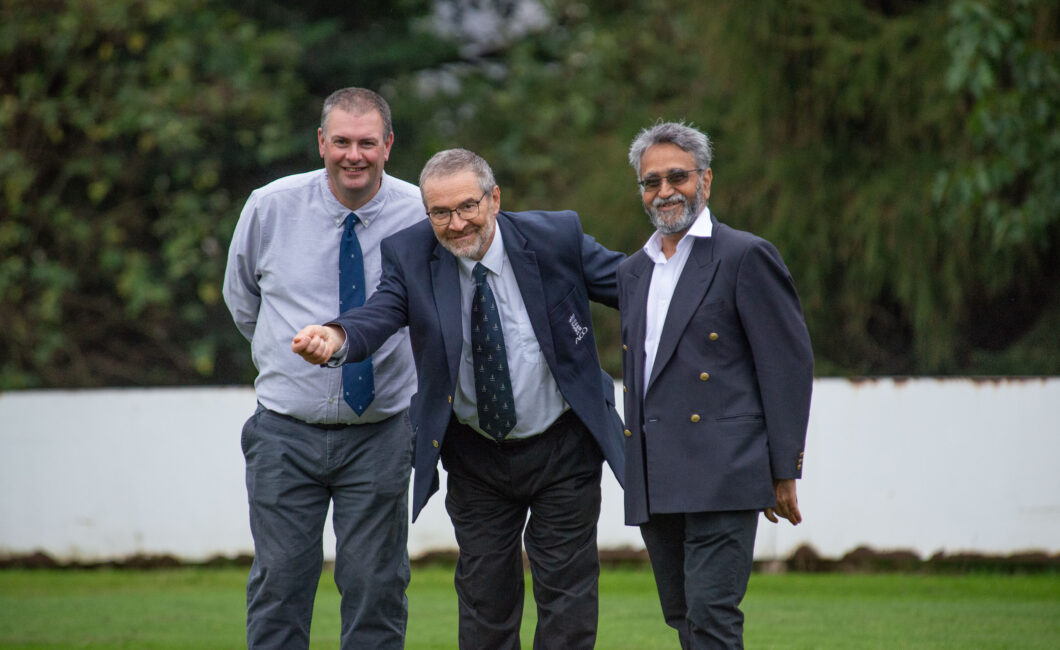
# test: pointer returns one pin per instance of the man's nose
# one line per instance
(456, 222)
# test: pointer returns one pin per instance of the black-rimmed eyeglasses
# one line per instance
(674, 177)
(467, 210)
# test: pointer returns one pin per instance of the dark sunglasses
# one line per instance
(675, 177)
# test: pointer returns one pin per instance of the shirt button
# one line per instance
(713, 336)
(695, 417)
(331, 400)
(703, 376)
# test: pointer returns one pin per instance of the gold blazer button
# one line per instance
(434, 442)
(695, 417)
(628, 433)
(703, 376)
(713, 336)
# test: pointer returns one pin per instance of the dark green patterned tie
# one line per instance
(493, 383)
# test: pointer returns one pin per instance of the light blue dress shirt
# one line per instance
(538, 400)
(283, 274)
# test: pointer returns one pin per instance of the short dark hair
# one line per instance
(358, 101)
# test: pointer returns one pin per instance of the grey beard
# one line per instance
(684, 222)
(485, 235)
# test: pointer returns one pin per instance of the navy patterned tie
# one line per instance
(358, 384)
(493, 383)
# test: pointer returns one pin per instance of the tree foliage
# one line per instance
(903, 156)
(126, 124)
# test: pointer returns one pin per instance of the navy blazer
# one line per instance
(728, 400)
(559, 269)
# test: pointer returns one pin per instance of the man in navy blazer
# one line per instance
(540, 271)
(717, 371)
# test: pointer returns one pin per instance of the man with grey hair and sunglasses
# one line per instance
(307, 246)
(511, 396)
(718, 371)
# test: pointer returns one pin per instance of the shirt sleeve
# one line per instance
(241, 290)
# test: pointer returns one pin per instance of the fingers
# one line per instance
(790, 512)
(787, 501)
(770, 516)
(313, 344)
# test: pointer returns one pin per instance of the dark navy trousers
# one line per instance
(702, 563)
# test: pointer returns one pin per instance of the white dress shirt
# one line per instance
(538, 401)
(664, 280)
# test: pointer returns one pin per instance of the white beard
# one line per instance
(687, 216)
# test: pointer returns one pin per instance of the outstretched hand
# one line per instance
(787, 503)
(318, 343)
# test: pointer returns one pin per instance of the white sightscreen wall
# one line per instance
(921, 464)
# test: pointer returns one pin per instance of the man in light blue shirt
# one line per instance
(319, 437)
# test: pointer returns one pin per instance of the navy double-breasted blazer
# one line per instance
(727, 403)
(559, 269)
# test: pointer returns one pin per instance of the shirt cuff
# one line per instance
(340, 355)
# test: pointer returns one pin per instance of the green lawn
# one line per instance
(203, 608)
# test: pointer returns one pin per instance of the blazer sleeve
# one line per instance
(772, 320)
(384, 313)
(599, 269)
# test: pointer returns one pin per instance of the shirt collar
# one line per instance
(703, 226)
(366, 213)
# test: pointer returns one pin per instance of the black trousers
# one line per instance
(492, 487)
(702, 563)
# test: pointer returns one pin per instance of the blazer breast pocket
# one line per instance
(571, 322)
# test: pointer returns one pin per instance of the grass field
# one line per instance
(203, 608)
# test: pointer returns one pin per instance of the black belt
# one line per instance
(568, 418)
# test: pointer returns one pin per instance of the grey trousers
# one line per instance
(555, 478)
(294, 472)
(702, 563)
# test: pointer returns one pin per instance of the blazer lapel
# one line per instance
(445, 280)
(638, 292)
(528, 277)
(691, 287)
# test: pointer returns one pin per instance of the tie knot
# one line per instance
(479, 273)
(351, 221)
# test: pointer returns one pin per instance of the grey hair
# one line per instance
(684, 136)
(357, 101)
(454, 161)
